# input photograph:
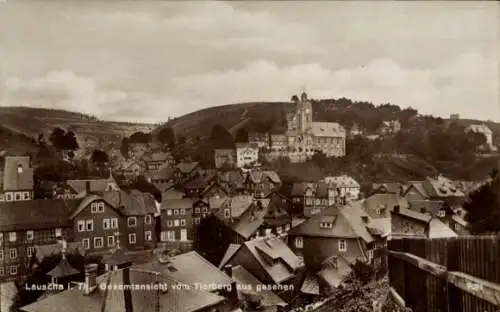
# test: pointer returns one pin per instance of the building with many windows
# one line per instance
(177, 220)
(26, 224)
(16, 178)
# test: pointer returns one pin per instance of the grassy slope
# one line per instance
(33, 121)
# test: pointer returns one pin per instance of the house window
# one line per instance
(204, 209)
(29, 235)
(169, 212)
(287, 227)
(342, 245)
(132, 238)
(93, 207)
(1, 271)
(170, 235)
(81, 225)
(457, 226)
(111, 241)
(176, 212)
(132, 222)
(183, 211)
(98, 242)
(86, 243)
(18, 196)
(148, 236)
(114, 223)
(100, 207)
(309, 201)
(370, 254)
(176, 222)
(26, 195)
(58, 232)
(326, 225)
(279, 230)
(30, 251)
(13, 253)
(170, 223)
(318, 201)
(106, 224)
(147, 219)
(441, 213)
(12, 236)
(197, 210)
(183, 222)
(13, 270)
(299, 243)
(163, 236)
(89, 225)
(196, 220)
(283, 201)
(8, 197)
(227, 213)
(1, 255)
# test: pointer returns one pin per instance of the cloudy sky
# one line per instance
(148, 60)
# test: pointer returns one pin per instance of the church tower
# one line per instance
(304, 113)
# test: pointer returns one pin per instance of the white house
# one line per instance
(346, 186)
(483, 129)
(246, 154)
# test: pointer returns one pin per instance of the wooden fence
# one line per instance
(446, 275)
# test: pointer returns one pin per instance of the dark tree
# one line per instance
(241, 136)
(99, 157)
(167, 137)
(294, 98)
(58, 138)
(70, 142)
(320, 159)
(220, 137)
(484, 207)
(140, 137)
(124, 147)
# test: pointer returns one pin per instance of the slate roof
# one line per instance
(245, 278)
(14, 180)
(460, 220)
(180, 300)
(187, 167)
(235, 178)
(196, 183)
(163, 174)
(383, 201)
(320, 189)
(87, 201)
(423, 217)
(34, 215)
(310, 285)
(258, 176)
(437, 229)
(432, 206)
(172, 193)
(391, 187)
(63, 269)
(247, 225)
(215, 203)
(96, 185)
(348, 223)
(189, 268)
(131, 202)
(186, 203)
(238, 206)
(230, 252)
(334, 276)
(275, 248)
(442, 187)
(419, 187)
(327, 129)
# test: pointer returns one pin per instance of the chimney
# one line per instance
(90, 278)
(87, 187)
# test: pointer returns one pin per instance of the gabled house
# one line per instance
(379, 205)
(131, 170)
(333, 239)
(139, 209)
(444, 189)
(197, 185)
(16, 178)
(162, 178)
(173, 192)
(185, 171)
(309, 199)
(156, 161)
(409, 223)
(83, 187)
(346, 187)
(96, 223)
(388, 188)
(260, 183)
(201, 209)
(272, 262)
(25, 224)
(238, 210)
(232, 180)
(215, 189)
(177, 221)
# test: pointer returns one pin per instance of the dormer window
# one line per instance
(227, 213)
(325, 225)
(441, 213)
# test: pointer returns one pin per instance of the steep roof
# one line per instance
(334, 275)
(319, 188)
(34, 215)
(238, 205)
(441, 187)
(187, 167)
(437, 229)
(172, 193)
(186, 203)
(258, 176)
(245, 278)
(412, 214)
(327, 129)
(390, 187)
(163, 174)
(418, 186)
(275, 248)
(15, 180)
(383, 201)
(230, 252)
(131, 202)
(96, 185)
(63, 269)
(347, 223)
(87, 201)
(248, 223)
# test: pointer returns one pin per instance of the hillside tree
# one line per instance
(140, 137)
(484, 207)
(63, 140)
(221, 138)
(241, 136)
(167, 137)
(124, 147)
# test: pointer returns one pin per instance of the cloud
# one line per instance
(460, 85)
